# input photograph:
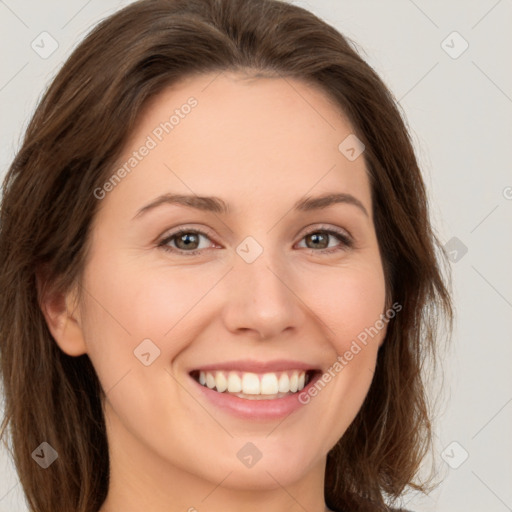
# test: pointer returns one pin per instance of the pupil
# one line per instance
(186, 239)
(315, 238)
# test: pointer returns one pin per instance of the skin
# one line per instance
(260, 144)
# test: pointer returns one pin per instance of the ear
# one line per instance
(62, 316)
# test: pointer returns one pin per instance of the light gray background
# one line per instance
(460, 115)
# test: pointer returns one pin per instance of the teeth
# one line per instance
(301, 380)
(221, 382)
(210, 380)
(249, 383)
(269, 385)
(284, 383)
(294, 382)
(234, 382)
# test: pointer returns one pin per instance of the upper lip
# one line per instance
(254, 366)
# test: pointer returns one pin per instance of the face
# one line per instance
(211, 322)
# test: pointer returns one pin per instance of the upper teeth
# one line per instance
(253, 383)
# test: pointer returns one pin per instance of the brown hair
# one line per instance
(69, 149)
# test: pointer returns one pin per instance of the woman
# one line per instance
(219, 278)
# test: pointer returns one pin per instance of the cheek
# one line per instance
(142, 302)
(349, 301)
(128, 302)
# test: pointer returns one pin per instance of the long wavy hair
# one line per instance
(69, 149)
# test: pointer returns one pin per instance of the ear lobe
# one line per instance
(61, 313)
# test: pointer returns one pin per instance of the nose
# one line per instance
(262, 299)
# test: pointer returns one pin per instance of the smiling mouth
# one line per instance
(255, 386)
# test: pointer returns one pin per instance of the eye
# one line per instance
(320, 239)
(185, 240)
(188, 241)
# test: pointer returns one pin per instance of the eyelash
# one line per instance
(340, 235)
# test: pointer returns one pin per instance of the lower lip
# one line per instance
(256, 409)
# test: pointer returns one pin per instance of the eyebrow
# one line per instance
(217, 205)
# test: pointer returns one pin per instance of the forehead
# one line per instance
(230, 135)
